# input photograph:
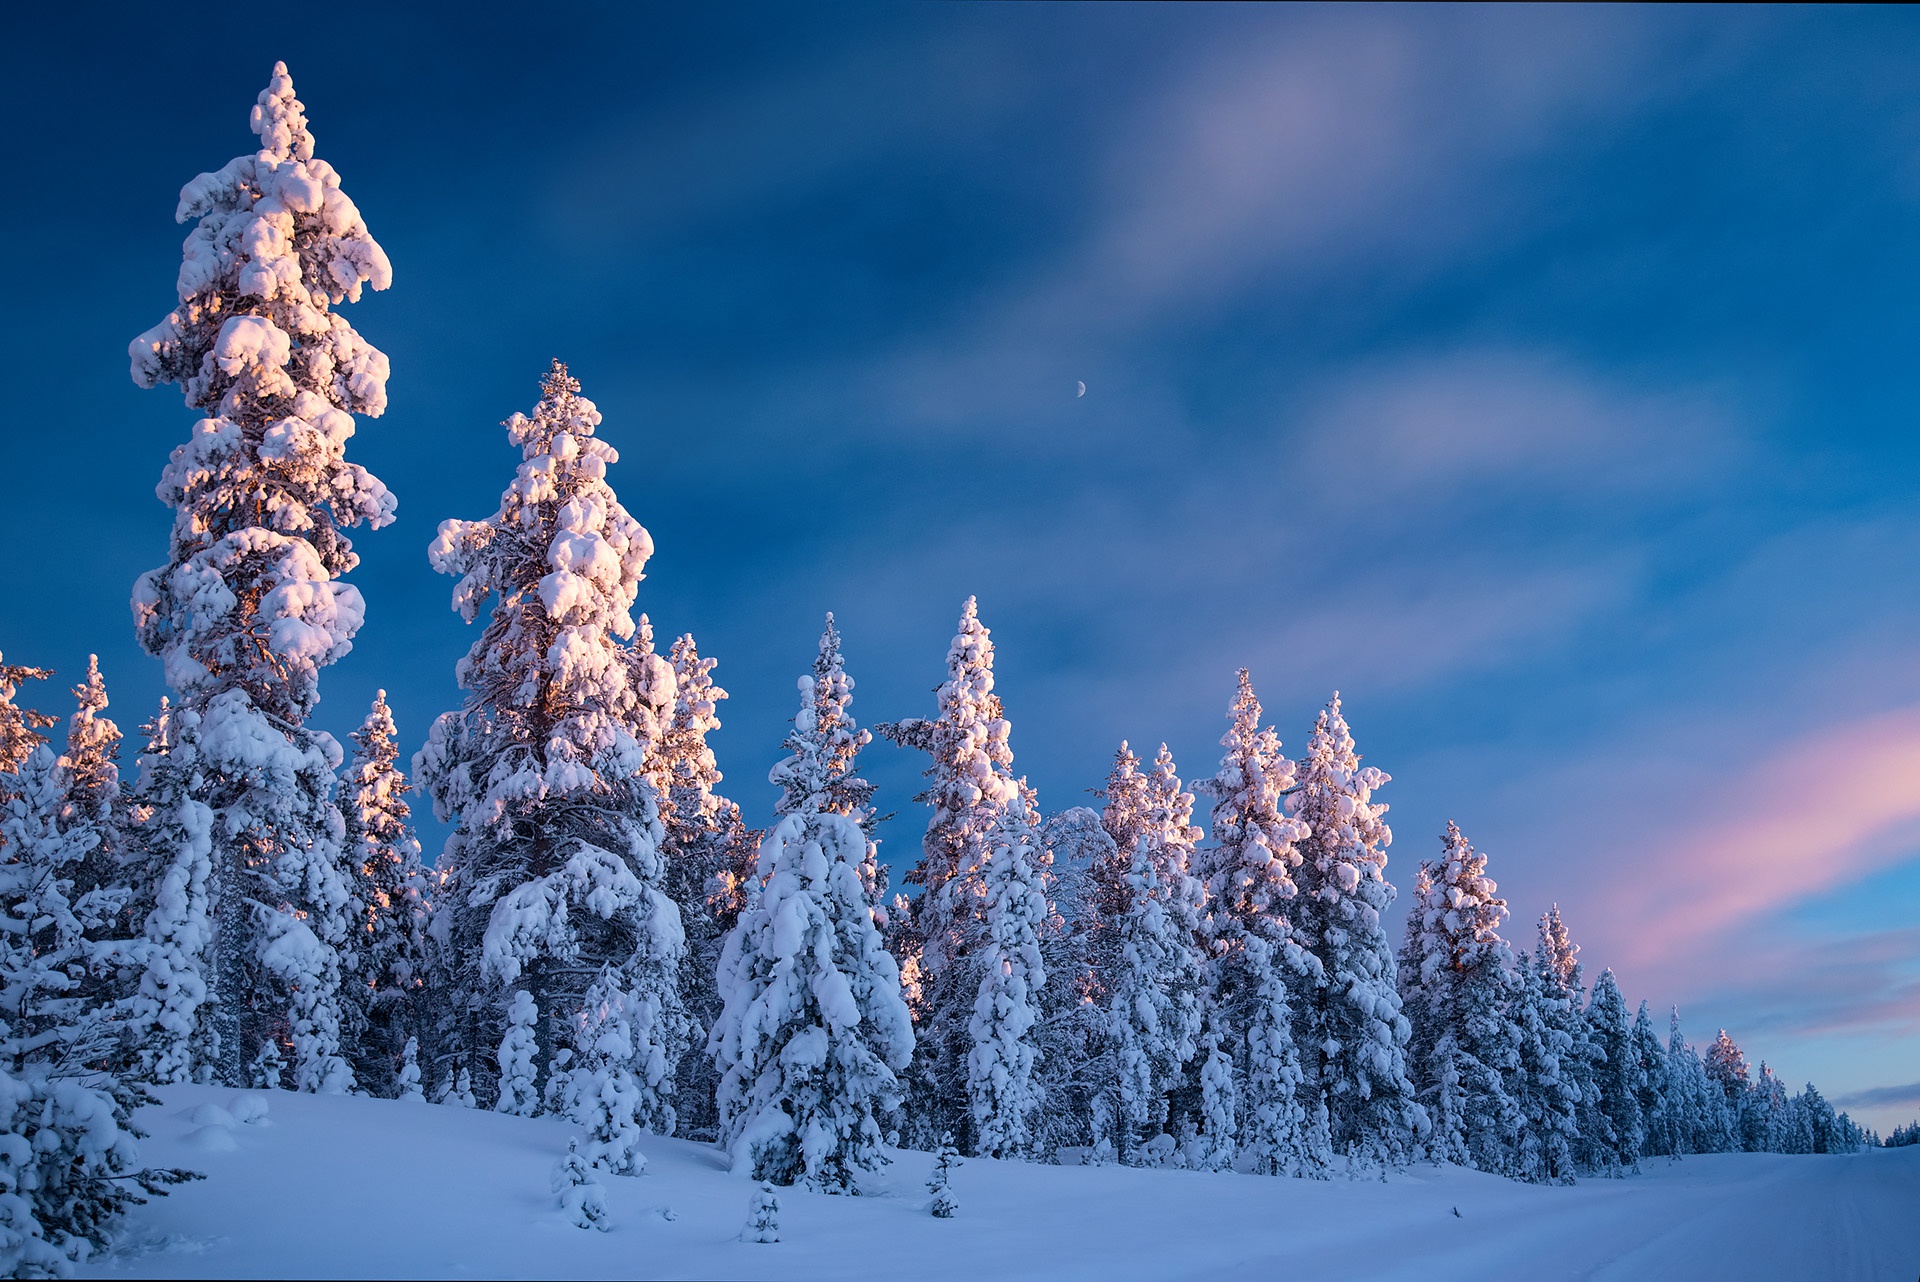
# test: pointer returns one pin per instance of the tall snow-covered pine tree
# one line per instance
(386, 954)
(251, 604)
(1145, 904)
(1354, 1035)
(553, 871)
(971, 786)
(705, 838)
(815, 1028)
(1256, 964)
(1457, 975)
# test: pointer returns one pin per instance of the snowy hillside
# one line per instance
(352, 1187)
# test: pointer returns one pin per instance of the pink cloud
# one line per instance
(1827, 809)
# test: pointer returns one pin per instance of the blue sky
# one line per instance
(1542, 380)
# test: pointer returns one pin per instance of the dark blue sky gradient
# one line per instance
(1541, 379)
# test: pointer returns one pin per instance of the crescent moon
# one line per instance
(1082, 392)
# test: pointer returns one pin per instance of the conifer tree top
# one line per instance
(824, 742)
(93, 742)
(1557, 953)
(19, 727)
(1460, 912)
(553, 693)
(262, 490)
(278, 245)
(560, 540)
(1250, 865)
(1334, 797)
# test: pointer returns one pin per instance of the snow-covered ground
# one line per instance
(342, 1187)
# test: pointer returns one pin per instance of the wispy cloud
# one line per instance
(1881, 1096)
(1304, 145)
(1828, 808)
(1490, 422)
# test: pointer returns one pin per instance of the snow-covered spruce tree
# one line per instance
(1077, 1078)
(19, 727)
(1556, 958)
(1726, 1066)
(1772, 1093)
(971, 785)
(1700, 1115)
(1097, 916)
(407, 1082)
(704, 837)
(940, 1181)
(44, 1009)
(763, 1216)
(1001, 1088)
(815, 1027)
(69, 1164)
(93, 808)
(93, 801)
(1543, 1097)
(1256, 963)
(1612, 1144)
(516, 1095)
(250, 605)
(577, 1190)
(602, 1090)
(1654, 1089)
(825, 744)
(1144, 902)
(1456, 974)
(170, 1034)
(1353, 1033)
(553, 868)
(386, 961)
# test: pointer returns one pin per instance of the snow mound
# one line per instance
(249, 1108)
(212, 1115)
(213, 1139)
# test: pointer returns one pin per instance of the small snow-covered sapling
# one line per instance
(264, 1072)
(938, 1183)
(578, 1191)
(409, 1078)
(763, 1217)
